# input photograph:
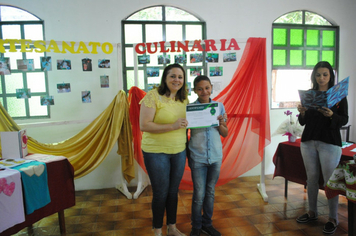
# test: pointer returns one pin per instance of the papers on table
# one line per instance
(346, 144)
(317, 99)
(202, 115)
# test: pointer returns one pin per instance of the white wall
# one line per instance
(100, 21)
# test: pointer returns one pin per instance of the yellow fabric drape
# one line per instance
(86, 150)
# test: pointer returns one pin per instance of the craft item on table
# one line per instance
(14, 144)
(9, 163)
(346, 144)
(11, 199)
(35, 185)
(44, 157)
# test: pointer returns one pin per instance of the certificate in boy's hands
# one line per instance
(202, 115)
(313, 99)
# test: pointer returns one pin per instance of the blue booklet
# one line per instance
(313, 99)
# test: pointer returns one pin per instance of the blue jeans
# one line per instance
(316, 155)
(165, 172)
(204, 178)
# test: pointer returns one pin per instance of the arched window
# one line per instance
(23, 82)
(300, 39)
(157, 24)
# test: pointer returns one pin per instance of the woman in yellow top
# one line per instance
(163, 123)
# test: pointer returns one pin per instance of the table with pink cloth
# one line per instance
(11, 199)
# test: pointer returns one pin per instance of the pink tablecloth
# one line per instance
(11, 199)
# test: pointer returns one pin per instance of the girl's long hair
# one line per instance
(322, 64)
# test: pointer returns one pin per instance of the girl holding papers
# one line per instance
(321, 144)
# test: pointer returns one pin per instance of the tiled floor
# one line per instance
(239, 210)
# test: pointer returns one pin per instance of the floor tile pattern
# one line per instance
(239, 210)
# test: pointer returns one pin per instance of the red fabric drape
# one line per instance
(246, 104)
(135, 96)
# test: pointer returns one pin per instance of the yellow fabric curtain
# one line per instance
(86, 150)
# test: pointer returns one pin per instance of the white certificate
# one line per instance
(202, 115)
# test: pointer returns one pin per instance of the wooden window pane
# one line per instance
(296, 37)
(133, 34)
(279, 37)
(279, 57)
(36, 109)
(313, 37)
(16, 107)
(312, 57)
(156, 36)
(328, 56)
(328, 38)
(296, 57)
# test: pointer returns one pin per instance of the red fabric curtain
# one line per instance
(246, 103)
(135, 96)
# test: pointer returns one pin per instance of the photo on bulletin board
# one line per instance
(195, 71)
(164, 59)
(104, 81)
(25, 64)
(189, 88)
(86, 64)
(5, 68)
(47, 100)
(212, 57)
(46, 63)
(64, 64)
(180, 59)
(86, 97)
(104, 63)
(227, 57)
(23, 93)
(196, 57)
(152, 86)
(144, 59)
(152, 71)
(216, 71)
(63, 88)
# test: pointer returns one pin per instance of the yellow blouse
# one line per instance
(167, 112)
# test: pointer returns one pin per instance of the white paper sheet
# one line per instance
(202, 115)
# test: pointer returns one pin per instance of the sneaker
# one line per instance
(211, 231)
(174, 232)
(306, 218)
(195, 232)
(329, 228)
(158, 234)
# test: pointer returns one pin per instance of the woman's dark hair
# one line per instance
(200, 78)
(163, 88)
(323, 64)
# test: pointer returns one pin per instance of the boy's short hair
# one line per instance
(200, 78)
